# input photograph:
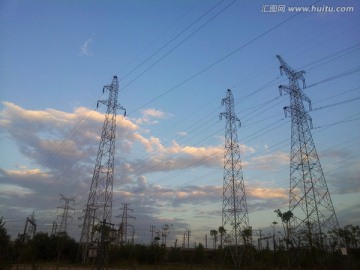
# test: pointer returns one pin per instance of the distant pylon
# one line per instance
(30, 228)
(309, 197)
(124, 225)
(234, 209)
(99, 204)
(65, 214)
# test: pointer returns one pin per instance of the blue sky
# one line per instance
(174, 60)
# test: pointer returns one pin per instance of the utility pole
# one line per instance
(234, 209)
(206, 241)
(188, 239)
(124, 224)
(309, 197)
(152, 230)
(99, 202)
(183, 242)
(259, 233)
(65, 215)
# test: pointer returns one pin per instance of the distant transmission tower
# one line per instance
(99, 203)
(234, 210)
(309, 199)
(124, 226)
(65, 215)
(30, 228)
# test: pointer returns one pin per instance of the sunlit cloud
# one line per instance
(267, 193)
(269, 161)
(62, 148)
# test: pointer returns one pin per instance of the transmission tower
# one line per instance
(309, 197)
(65, 215)
(234, 209)
(124, 225)
(99, 203)
(30, 228)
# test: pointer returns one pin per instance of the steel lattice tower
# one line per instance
(124, 226)
(99, 203)
(234, 209)
(309, 197)
(65, 215)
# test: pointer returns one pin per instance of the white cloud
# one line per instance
(62, 148)
(182, 133)
(85, 48)
(151, 117)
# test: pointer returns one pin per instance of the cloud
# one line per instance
(269, 162)
(344, 180)
(8, 190)
(151, 117)
(182, 133)
(349, 215)
(61, 148)
(85, 48)
(267, 193)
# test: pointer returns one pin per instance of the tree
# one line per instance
(221, 231)
(285, 219)
(349, 235)
(246, 235)
(4, 242)
(273, 224)
(214, 234)
(199, 254)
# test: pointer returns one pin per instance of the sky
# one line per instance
(175, 61)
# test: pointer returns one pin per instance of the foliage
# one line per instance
(5, 247)
(45, 248)
(222, 232)
(214, 234)
(348, 236)
(61, 248)
(246, 235)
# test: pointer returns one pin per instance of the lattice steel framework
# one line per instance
(65, 214)
(99, 203)
(124, 226)
(234, 209)
(309, 197)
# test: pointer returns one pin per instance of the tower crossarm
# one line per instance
(290, 73)
(296, 92)
(299, 114)
(229, 114)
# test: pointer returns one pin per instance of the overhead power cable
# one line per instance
(337, 123)
(171, 50)
(337, 103)
(336, 76)
(174, 38)
(156, 39)
(218, 61)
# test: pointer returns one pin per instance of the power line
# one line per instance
(170, 41)
(336, 76)
(217, 62)
(175, 47)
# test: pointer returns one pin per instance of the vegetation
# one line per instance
(60, 249)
